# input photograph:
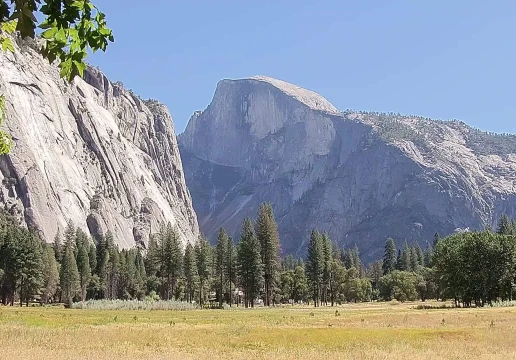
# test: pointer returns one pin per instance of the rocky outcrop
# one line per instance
(90, 151)
(360, 176)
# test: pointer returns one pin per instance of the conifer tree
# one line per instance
(69, 276)
(58, 247)
(83, 266)
(50, 275)
(30, 259)
(268, 238)
(437, 237)
(190, 271)
(249, 263)
(92, 256)
(389, 257)
(403, 261)
(327, 262)
(315, 265)
(414, 261)
(221, 262)
(231, 267)
(504, 226)
(204, 264)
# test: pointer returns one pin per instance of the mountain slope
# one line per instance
(90, 151)
(360, 176)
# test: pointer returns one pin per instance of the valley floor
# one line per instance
(362, 331)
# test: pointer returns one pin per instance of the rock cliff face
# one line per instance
(89, 151)
(360, 176)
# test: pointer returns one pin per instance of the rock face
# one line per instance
(360, 176)
(89, 151)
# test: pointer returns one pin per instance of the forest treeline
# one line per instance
(471, 268)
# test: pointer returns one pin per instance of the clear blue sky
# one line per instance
(442, 59)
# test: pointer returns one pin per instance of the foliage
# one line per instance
(71, 27)
(250, 268)
(134, 305)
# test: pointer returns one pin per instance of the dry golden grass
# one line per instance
(363, 331)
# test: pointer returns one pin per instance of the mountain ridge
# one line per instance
(381, 165)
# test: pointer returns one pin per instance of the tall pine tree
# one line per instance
(315, 265)
(69, 276)
(268, 237)
(389, 257)
(221, 254)
(249, 263)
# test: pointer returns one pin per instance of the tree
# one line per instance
(30, 258)
(221, 262)
(315, 265)
(71, 28)
(58, 247)
(190, 272)
(83, 266)
(203, 253)
(69, 276)
(389, 257)
(50, 275)
(505, 226)
(268, 237)
(327, 269)
(250, 268)
(231, 267)
(437, 237)
(400, 285)
(170, 258)
(403, 261)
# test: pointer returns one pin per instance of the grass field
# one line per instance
(363, 331)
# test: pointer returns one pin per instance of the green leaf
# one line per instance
(9, 26)
(80, 66)
(50, 33)
(66, 69)
(6, 45)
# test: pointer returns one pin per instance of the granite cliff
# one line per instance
(90, 151)
(360, 176)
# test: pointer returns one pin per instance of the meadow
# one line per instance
(357, 331)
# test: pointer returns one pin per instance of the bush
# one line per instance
(134, 305)
(400, 285)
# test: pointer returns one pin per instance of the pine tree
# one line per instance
(403, 262)
(190, 271)
(437, 237)
(69, 235)
(327, 261)
(414, 261)
(204, 258)
(249, 263)
(357, 263)
(58, 247)
(315, 265)
(113, 266)
(504, 226)
(83, 266)
(221, 254)
(31, 265)
(171, 259)
(231, 267)
(50, 275)
(389, 257)
(92, 256)
(268, 238)
(69, 276)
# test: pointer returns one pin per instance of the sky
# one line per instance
(440, 59)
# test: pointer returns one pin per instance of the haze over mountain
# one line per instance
(360, 176)
(89, 151)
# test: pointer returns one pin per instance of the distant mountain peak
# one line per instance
(310, 98)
